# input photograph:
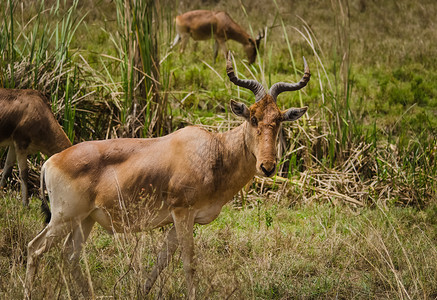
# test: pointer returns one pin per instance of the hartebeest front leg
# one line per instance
(184, 223)
(216, 46)
(176, 41)
(9, 164)
(164, 257)
(24, 175)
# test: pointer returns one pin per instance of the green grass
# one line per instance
(308, 251)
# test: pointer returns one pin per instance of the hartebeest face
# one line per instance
(264, 118)
(252, 46)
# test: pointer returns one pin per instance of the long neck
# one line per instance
(58, 140)
(238, 162)
(236, 33)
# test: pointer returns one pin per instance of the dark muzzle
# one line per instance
(268, 169)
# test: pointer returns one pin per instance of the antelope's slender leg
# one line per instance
(46, 239)
(9, 164)
(222, 44)
(184, 42)
(184, 222)
(176, 41)
(72, 249)
(164, 257)
(216, 46)
(24, 175)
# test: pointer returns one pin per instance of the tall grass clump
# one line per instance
(335, 87)
(7, 46)
(142, 109)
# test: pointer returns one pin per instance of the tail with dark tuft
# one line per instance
(44, 204)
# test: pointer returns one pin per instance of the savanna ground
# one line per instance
(352, 212)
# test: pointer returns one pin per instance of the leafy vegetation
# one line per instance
(351, 213)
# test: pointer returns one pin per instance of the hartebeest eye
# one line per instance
(254, 121)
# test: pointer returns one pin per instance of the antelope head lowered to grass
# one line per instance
(136, 184)
(206, 24)
(27, 126)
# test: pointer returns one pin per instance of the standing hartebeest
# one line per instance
(136, 184)
(27, 126)
(204, 24)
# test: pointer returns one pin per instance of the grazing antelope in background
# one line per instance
(27, 126)
(183, 178)
(205, 24)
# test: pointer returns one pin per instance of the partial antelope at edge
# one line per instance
(27, 126)
(206, 24)
(130, 185)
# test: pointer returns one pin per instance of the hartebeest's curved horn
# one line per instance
(260, 35)
(258, 39)
(280, 87)
(252, 85)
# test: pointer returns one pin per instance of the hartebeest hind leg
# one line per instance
(43, 242)
(183, 219)
(222, 45)
(164, 257)
(9, 165)
(185, 38)
(71, 253)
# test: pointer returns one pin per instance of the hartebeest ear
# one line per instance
(293, 114)
(240, 109)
